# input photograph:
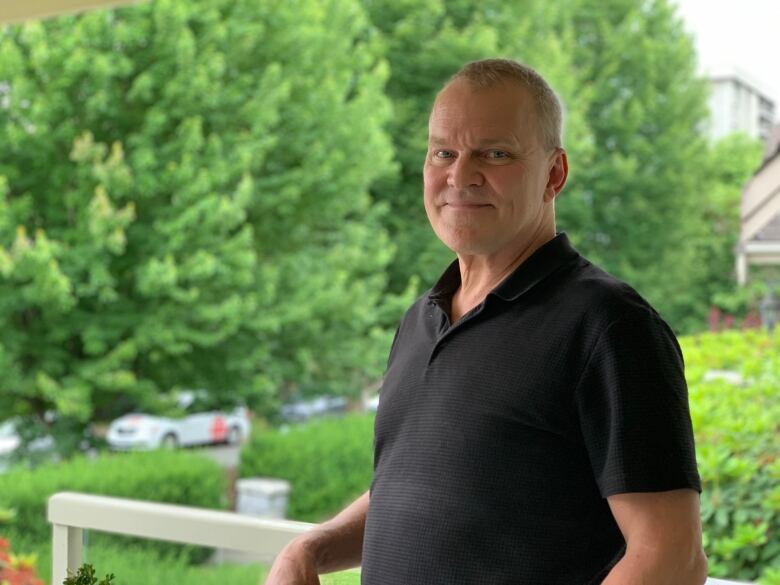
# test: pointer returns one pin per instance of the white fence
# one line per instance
(72, 513)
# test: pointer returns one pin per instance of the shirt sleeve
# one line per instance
(632, 404)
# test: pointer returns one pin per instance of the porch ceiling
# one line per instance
(15, 11)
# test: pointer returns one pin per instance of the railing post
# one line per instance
(66, 551)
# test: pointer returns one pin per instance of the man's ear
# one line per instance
(556, 178)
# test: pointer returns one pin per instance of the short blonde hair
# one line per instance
(489, 73)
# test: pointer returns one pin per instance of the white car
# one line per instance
(146, 431)
(10, 441)
(372, 404)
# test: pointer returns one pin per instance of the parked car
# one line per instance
(371, 404)
(146, 431)
(303, 410)
(10, 443)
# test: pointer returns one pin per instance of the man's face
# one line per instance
(487, 174)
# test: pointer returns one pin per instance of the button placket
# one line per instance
(448, 331)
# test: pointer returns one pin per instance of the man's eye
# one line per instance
(445, 154)
(497, 154)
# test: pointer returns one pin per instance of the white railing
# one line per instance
(72, 513)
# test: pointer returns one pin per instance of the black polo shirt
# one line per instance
(498, 439)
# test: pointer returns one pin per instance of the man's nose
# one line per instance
(464, 173)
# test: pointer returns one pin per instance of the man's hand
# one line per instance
(295, 565)
(333, 546)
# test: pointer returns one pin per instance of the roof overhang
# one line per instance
(36, 9)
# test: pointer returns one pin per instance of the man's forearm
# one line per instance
(643, 568)
(338, 543)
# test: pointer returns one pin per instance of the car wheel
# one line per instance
(169, 442)
(234, 436)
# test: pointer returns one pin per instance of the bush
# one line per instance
(327, 462)
(85, 575)
(161, 476)
(738, 449)
(15, 569)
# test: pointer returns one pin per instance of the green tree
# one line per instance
(643, 185)
(731, 162)
(184, 203)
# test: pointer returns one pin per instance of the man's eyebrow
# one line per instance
(438, 141)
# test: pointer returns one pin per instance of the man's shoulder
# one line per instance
(420, 305)
(603, 297)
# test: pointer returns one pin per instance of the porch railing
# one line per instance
(72, 513)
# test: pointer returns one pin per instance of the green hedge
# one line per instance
(176, 477)
(738, 449)
(327, 462)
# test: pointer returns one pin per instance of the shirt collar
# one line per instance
(538, 266)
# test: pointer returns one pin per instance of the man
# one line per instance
(533, 424)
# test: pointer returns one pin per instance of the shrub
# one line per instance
(738, 449)
(86, 576)
(327, 462)
(15, 569)
(176, 477)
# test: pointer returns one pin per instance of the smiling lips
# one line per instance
(462, 206)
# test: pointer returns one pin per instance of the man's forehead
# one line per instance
(496, 107)
(481, 125)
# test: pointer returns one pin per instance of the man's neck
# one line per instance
(481, 274)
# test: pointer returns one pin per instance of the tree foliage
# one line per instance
(184, 203)
(646, 184)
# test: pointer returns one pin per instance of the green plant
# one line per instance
(16, 569)
(327, 462)
(177, 477)
(86, 576)
(162, 206)
(7, 516)
(737, 429)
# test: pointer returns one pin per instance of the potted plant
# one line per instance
(86, 576)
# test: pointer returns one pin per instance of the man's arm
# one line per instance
(663, 539)
(334, 545)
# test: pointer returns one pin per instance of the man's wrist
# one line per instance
(309, 546)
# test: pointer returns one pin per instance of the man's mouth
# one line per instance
(466, 205)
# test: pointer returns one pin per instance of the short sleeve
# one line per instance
(632, 404)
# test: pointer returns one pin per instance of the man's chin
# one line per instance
(470, 247)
